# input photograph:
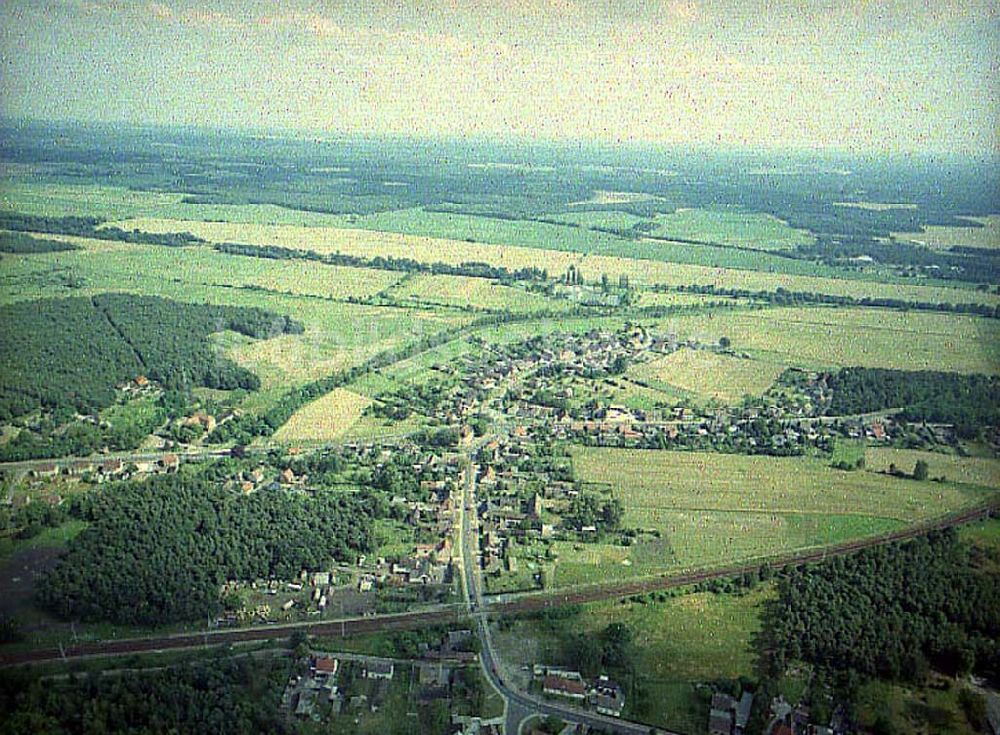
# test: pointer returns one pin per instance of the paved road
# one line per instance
(519, 706)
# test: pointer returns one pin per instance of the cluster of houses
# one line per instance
(785, 719)
(311, 694)
(728, 715)
(601, 694)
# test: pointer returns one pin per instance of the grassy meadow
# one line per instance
(420, 245)
(711, 509)
(708, 375)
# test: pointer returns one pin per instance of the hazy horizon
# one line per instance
(854, 76)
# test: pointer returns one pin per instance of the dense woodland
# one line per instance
(67, 355)
(971, 402)
(228, 695)
(890, 611)
(157, 551)
(24, 244)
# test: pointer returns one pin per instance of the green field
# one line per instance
(324, 419)
(752, 230)
(943, 238)
(822, 337)
(446, 246)
(712, 509)
(981, 471)
(678, 643)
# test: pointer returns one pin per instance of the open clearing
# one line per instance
(648, 482)
(981, 471)
(324, 419)
(709, 375)
(942, 238)
(713, 509)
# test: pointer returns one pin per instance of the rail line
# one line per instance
(526, 603)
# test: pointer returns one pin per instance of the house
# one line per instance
(287, 477)
(743, 708)
(169, 462)
(721, 715)
(324, 666)
(607, 697)
(48, 469)
(379, 670)
(557, 686)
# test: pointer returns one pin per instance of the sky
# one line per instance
(900, 75)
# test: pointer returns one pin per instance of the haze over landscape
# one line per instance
(856, 74)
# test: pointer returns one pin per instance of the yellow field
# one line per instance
(468, 291)
(942, 238)
(709, 374)
(828, 337)
(368, 243)
(968, 470)
(324, 419)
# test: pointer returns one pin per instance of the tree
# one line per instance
(920, 470)
(724, 342)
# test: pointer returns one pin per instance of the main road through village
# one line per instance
(519, 705)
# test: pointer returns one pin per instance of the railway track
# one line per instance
(526, 603)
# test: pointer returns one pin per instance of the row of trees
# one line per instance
(784, 297)
(23, 244)
(91, 227)
(157, 552)
(407, 265)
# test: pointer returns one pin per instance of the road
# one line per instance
(519, 706)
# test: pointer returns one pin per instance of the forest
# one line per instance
(226, 695)
(970, 402)
(67, 355)
(156, 552)
(24, 244)
(891, 611)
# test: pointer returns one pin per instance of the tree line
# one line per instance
(91, 227)
(474, 269)
(23, 244)
(784, 297)
(970, 402)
